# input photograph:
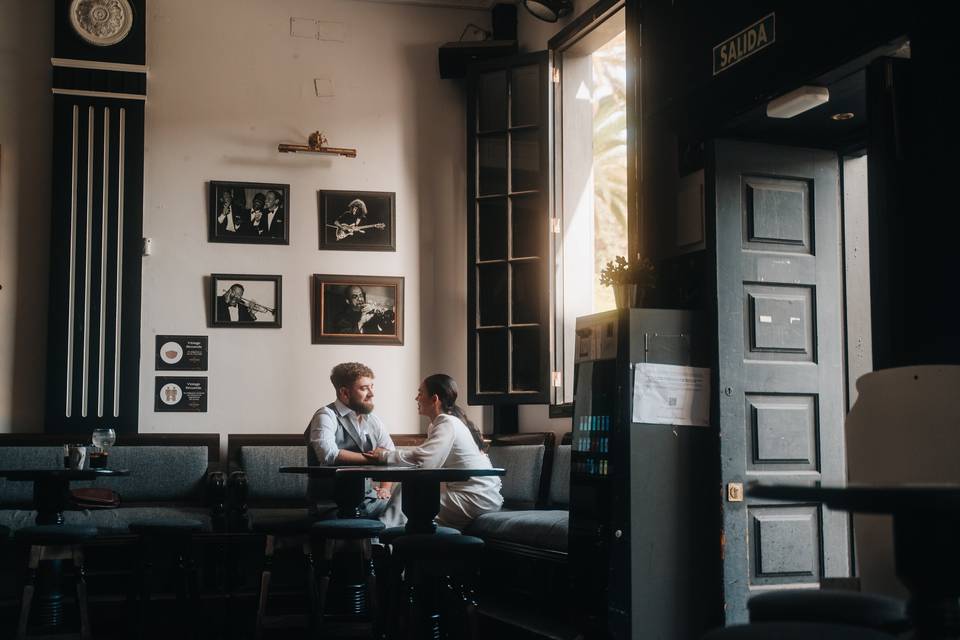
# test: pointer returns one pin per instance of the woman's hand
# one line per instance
(383, 493)
(377, 456)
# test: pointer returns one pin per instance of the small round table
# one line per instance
(926, 531)
(51, 487)
(421, 488)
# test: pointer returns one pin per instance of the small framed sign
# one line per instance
(180, 394)
(181, 353)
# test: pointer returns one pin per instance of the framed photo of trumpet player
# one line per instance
(357, 309)
(249, 212)
(358, 221)
(239, 300)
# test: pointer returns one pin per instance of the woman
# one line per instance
(453, 442)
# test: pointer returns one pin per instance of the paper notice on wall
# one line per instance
(671, 394)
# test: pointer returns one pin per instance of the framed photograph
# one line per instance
(357, 309)
(358, 221)
(240, 300)
(249, 212)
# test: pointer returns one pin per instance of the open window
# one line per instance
(590, 204)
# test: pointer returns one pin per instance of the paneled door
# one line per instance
(780, 354)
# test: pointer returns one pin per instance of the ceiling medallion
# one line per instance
(101, 22)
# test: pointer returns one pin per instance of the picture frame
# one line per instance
(353, 309)
(249, 212)
(260, 303)
(357, 220)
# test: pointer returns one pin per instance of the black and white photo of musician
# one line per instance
(357, 220)
(246, 300)
(249, 212)
(370, 310)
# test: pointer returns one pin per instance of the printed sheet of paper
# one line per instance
(671, 394)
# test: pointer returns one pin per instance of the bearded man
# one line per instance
(340, 433)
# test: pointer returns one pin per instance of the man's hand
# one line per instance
(383, 493)
(377, 456)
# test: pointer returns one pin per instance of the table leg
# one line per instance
(50, 497)
(928, 563)
(348, 494)
(421, 504)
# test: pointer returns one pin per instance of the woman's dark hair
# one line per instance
(445, 388)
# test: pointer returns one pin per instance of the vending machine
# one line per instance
(645, 546)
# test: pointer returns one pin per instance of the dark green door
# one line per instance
(780, 374)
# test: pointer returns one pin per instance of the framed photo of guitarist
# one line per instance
(358, 221)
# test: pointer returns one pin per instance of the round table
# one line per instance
(421, 488)
(926, 531)
(51, 487)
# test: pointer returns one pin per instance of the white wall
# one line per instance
(25, 137)
(227, 83)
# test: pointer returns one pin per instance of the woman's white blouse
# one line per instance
(450, 445)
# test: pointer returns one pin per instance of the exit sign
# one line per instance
(755, 38)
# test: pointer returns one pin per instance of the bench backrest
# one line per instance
(169, 468)
(560, 478)
(528, 458)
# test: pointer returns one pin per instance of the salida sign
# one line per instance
(756, 37)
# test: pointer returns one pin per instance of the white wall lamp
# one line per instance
(797, 101)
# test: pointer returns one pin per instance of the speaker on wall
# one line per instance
(455, 56)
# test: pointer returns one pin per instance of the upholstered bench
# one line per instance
(171, 476)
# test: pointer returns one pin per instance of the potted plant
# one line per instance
(630, 280)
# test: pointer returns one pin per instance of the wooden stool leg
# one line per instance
(264, 584)
(28, 589)
(323, 584)
(81, 577)
(373, 601)
(312, 595)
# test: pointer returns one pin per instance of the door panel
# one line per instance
(780, 360)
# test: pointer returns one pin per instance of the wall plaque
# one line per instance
(181, 353)
(180, 394)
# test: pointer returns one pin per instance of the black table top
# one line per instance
(60, 474)
(867, 498)
(391, 473)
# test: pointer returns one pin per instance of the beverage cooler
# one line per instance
(645, 546)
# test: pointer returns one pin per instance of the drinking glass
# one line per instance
(102, 439)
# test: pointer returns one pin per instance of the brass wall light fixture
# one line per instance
(316, 143)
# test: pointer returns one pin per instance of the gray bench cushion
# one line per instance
(175, 474)
(20, 493)
(543, 529)
(560, 478)
(524, 465)
(110, 521)
(264, 481)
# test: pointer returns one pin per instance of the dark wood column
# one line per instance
(99, 83)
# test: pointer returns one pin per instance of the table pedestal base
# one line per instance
(928, 564)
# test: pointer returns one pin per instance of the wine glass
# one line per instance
(103, 439)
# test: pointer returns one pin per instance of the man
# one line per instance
(256, 226)
(229, 214)
(273, 217)
(229, 308)
(340, 433)
(359, 317)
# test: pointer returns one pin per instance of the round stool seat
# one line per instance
(796, 631)
(392, 533)
(282, 525)
(56, 533)
(347, 529)
(166, 527)
(827, 605)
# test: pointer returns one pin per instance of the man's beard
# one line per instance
(361, 407)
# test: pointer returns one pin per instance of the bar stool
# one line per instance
(172, 537)
(796, 631)
(281, 532)
(436, 566)
(327, 538)
(830, 606)
(50, 545)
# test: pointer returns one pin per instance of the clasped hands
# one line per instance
(377, 456)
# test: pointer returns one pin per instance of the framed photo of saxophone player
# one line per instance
(243, 300)
(357, 309)
(358, 221)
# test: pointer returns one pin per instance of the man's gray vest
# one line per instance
(320, 490)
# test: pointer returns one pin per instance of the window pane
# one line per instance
(525, 96)
(527, 220)
(492, 229)
(492, 293)
(492, 165)
(492, 101)
(492, 360)
(526, 349)
(526, 292)
(525, 161)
